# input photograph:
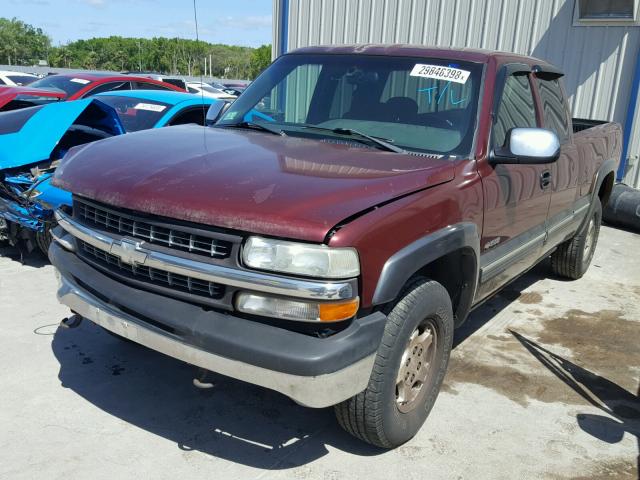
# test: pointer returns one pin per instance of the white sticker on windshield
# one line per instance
(151, 107)
(80, 80)
(439, 72)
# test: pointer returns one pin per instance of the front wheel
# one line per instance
(44, 238)
(408, 371)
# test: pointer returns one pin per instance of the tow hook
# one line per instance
(73, 321)
(200, 380)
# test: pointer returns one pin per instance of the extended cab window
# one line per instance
(554, 108)
(417, 104)
(516, 110)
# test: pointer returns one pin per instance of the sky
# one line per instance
(234, 22)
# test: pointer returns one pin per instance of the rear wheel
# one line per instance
(573, 257)
(409, 368)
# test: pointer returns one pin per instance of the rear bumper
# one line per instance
(316, 372)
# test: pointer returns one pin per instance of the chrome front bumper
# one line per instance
(311, 391)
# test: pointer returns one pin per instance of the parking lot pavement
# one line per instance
(543, 383)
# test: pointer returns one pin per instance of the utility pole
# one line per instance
(139, 56)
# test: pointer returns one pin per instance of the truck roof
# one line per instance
(407, 50)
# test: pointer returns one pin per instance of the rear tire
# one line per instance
(573, 257)
(408, 371)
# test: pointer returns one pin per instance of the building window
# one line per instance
(589, 12)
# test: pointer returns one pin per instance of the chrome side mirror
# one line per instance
(215, 111)
(528, 146)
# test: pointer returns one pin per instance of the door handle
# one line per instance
(545, 179)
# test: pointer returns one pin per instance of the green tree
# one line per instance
(260, 59)
(21, 43)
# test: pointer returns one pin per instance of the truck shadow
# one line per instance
(621, 407)
(234, 421)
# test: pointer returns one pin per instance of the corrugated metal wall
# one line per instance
(598, 60)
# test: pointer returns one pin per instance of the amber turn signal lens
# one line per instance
(334, 312)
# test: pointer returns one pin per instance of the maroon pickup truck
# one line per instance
(327, 235)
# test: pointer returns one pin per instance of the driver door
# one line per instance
(516, 197)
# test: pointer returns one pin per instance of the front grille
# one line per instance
(152, 275)
(111, 220)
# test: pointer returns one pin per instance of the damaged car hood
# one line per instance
(30, 135)
(245, 180)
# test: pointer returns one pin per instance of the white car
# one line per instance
(16, 79)
(207, 90)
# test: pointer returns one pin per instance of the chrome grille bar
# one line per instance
(135, 253)
(170, 237)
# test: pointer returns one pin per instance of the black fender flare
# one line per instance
(403, 264)
(607, 167)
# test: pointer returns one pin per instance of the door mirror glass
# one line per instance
(528, 146)
(216, 110)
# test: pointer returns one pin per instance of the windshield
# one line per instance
(135, 113)
(418, 104)
(68, 85)
(21, 80)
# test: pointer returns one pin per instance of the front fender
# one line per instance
(406, 262)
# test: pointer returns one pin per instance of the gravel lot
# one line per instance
(543, 383)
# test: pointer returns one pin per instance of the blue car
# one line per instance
(34, 140)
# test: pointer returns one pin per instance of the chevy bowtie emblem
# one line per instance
(129, 252)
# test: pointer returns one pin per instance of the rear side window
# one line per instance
(517, 108)
(21, 80)
(554, 108)
(194, 115)
(109, 87)
(2, 82)
(148, 86)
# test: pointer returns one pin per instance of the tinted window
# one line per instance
(69, 85)
(136, 113)
(109, 87)
(148, 86)
(606, 9)
(554, 108)
(517, 108)
(177, 82)
(193, 115)
(2, 82)
(21, 80)
(193, 90)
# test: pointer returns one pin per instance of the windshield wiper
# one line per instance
(257, 126)
(380, 143)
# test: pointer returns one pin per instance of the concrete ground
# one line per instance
(543, 383)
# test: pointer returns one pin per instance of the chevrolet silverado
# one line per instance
(327, 235)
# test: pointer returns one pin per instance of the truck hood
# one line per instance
(245, 180)
(30, 135)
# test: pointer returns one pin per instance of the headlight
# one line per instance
(266, 306)
(317, 261)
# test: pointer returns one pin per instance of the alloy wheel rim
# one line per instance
(416, 366)
(589, 239)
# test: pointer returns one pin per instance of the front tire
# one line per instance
(44, 238)
(573, 257)
(408, 371)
